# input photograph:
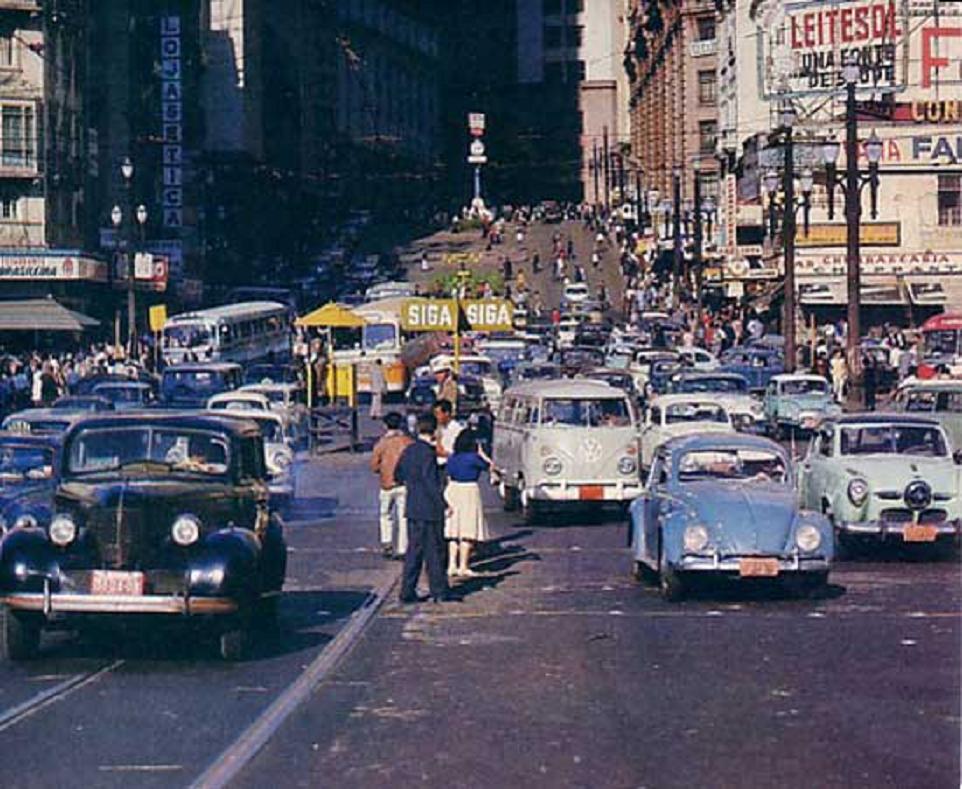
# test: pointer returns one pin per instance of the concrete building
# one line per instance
(44, 163)
(671, 63)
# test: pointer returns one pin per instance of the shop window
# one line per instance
(950, 200)
(9, 209)
(706, 28)
(18, 136)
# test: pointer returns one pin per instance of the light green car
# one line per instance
(884, 477)
(796, 402)
(940, 400)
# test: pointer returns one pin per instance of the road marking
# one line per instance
(236, 756)
(58, 692)
(139, 768)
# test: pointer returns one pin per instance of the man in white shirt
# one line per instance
(449, 429)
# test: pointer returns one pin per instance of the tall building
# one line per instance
(671, 62)
(44, 146)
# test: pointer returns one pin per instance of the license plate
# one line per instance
(113, 582)
(592, 493)
(758, 568)
(920, 533)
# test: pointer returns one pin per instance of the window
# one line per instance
(707, 134)
(8, 51)
(706, 86)
(950, 200)
(18, 139)
(706, 28)
(9, 208)
(709, 185)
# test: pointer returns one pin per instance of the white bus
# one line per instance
(242, 333)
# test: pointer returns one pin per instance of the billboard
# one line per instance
(804, 47)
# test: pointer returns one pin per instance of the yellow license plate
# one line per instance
(758, 568)
(920, 534)
(114, 582)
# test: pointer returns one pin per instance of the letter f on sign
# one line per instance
(930, 61)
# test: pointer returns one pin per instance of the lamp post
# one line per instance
(653, 197)
(697, 236)
(677, 253)
(127, 173)
(639, 202)
(851, 185)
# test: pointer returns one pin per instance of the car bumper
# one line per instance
(733, 564)
(585, 490)
(881, 529)
(54, 603)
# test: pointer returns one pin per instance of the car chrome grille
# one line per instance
(930, 517)
(128, 542)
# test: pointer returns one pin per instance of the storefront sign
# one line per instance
(804, 46)
(442, 314)
(871, 234)
(924, 262)
(172, 122)
(56, 267)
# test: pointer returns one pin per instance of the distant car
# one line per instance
(480, 367)
(672, 416)
(126, 395)
(272, 374)
(940, 400)
(884, 477)
(698, 359)
(535, 371)
(577, 358)
(154, 515)
(288, 399)
(660, 374)
(593, 334)
(86, 385)
(278, 451)
(613, 377)
(724, 505)
(190, 385)
(730, 390)
(798, 403)
(640, 366)
(574, 292)
(239, 400)
(28, 478)
(756, 364)
(92, 403)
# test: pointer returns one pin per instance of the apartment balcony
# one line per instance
(699, 49)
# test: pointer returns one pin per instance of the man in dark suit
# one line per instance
(418, 470)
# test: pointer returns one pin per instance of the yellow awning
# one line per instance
(332, 316)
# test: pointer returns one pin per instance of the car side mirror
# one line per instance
(957, 457)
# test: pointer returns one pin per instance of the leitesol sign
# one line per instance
(442, 314)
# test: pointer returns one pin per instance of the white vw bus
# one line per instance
(566, 441)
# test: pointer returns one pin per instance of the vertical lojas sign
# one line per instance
(172, 116)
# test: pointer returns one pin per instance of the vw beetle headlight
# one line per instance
(186, 530)
(63, 530)
(25, 521)
(696, 538)
(857, 491)
(552, 466)
(627, 465)
(279, 462)
(808, 538)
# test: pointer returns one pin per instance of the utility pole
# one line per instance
(698, 240)
(639, 218)
(607, 166)
(853, 212)
(594, 172)
(678, 254)
(789, 231)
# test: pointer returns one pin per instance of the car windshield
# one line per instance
(271, 430)
(586, 412)
(756, 465)
(269, 373)
(187, 335)
(720, 384)
(534, 373)
(177, 449)
(19, 462)
(120, 394)
(929, 401)
(274, 395)
(619, 360)
(694, 412)
(895, 439)
(194, 380)
(581, 357)
(76, 404)
(239, 404)
(804, 386)
(476, 368)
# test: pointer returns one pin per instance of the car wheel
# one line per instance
(808, 585)
(844, 547)
(233, 644)
(672, 586)
(19, 635)
(509, 497)
(643, 574)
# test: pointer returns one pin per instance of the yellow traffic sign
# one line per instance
(442, 314)
(157, 315)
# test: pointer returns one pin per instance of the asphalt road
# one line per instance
(556, 670)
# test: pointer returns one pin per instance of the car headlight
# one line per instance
(280, 461)
(807, 537)
(552, 466)
(186, 530)
(696, 538)
(63, 530)
(627, 465)
(857, 492)
(25, 521)
(757, 408)
(3, 525)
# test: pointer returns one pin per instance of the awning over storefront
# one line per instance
(881, 292)
(42, 315)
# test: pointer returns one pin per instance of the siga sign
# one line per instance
(442, 314)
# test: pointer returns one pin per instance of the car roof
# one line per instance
(190, 419)
(239, 394)
(799, 377)
(934, 384)
(873, 418)
(708, 375)
(119, 385)
(249, 414)
(32, 439)
(194, 366)
(708, 441)
(46, 413)
(568, 387)
(684, 397)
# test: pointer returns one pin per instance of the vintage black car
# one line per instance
(154, 515)
(192, 384)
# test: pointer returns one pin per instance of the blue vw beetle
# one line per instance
(756, 364)
(725, 505)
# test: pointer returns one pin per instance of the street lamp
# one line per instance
(127, 173)
(666, 212)
(851, 185)
(677, 253)
(697, 236)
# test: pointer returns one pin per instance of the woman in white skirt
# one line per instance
(465, 522)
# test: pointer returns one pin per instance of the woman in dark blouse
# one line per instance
(465, 523)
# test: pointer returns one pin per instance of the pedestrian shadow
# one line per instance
(723, 590)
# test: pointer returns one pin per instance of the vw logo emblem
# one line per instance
(918, 495)
(592, 450)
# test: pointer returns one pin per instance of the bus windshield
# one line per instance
(380, 336)
(187, 335)
(941, 342)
